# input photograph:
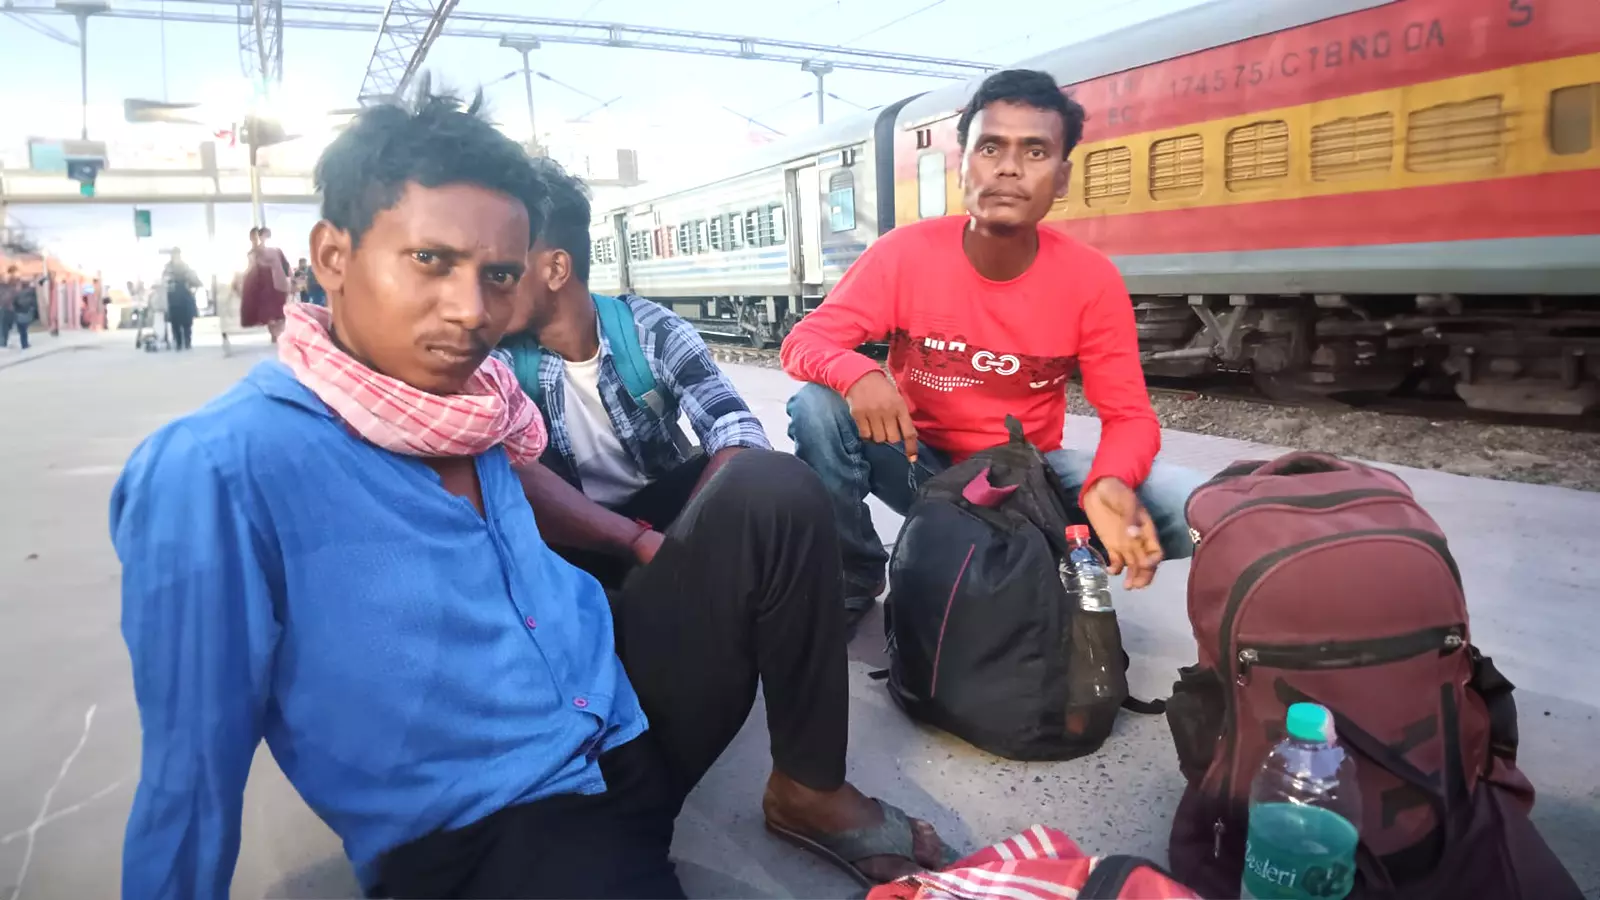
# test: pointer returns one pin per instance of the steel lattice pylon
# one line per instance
(261, 42)
(408, 30)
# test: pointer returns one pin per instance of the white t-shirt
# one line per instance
(608, 473)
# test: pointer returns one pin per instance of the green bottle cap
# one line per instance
(1310, 722)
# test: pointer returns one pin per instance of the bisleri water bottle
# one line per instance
(1304, 806)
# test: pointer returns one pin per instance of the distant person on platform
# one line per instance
(19, 307)
(266, 286)
(987, 314)
(340, 556)
(630, 458)
(181, 284)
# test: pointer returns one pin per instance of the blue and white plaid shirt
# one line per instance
(689, 381)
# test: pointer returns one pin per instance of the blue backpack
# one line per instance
(622, 333)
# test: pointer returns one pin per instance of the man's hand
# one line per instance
(646, 545)
(1125, 528)
(880, 413)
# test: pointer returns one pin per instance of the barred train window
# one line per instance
(931, 199)
(1177, 167)
(1574, 118)
(752, 229)
(1257, 155)
(776, 223)
(716, 234)
(735, 231)
(841, 201)
(1352, 147)
(1467, 135)
(1108, 177)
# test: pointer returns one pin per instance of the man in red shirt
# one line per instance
(987, 315)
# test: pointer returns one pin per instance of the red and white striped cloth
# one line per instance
(1038, 864)
(491, 410)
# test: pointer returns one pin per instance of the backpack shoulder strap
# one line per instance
(526, 357)
(627, 352)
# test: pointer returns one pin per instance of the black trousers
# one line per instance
(744, 591)
(659, 503)
(182, 333)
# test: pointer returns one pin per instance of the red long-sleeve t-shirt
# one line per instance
(965, 351)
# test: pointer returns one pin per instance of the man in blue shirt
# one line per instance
(629, 457)
(306, 560)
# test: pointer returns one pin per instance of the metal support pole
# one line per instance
(821, 70)
(526, 46)
(83, 69)
(527, 86)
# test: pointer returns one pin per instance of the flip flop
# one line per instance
(891, 837)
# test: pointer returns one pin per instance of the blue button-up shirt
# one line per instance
(412, 665)
(686, 375)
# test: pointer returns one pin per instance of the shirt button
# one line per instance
(530, 622)
(580, 702)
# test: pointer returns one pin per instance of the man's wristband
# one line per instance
(644, 529)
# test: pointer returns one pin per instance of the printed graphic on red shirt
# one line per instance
(950, 363)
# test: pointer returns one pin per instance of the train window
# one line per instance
(1467, 135)
(735, 231)
(663, 247)
(1108, 177)
(1257, 155)
(775, 217)
(931, 194)
(1574, 118)
(685, 242)
(1352, 147)
(1177, 167)
(752, 229)
(841, 201)
(716, 228)
(702, 236)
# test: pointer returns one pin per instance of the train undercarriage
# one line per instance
(1503, 354)
(1521, 355)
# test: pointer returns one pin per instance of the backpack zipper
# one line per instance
(1350, 654)
(1309, 501)
(1257, 570)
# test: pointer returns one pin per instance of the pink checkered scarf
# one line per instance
(394, 415)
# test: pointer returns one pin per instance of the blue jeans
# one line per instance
(826, 439)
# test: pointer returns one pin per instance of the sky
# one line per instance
(680, 112)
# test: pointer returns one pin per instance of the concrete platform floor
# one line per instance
(71, 749)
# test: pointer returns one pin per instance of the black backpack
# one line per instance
(983, 640)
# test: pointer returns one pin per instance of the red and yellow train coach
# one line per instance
(1337, 195)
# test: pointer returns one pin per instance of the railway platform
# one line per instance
(1526, 552)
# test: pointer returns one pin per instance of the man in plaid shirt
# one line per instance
(625, 456)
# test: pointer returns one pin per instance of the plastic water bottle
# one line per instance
(1304, 804)
(1083, 572)
(1097, 677)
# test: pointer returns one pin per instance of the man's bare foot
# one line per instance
(816, 814)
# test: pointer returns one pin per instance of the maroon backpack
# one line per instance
(1317, 579)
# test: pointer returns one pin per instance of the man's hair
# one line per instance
(432, 141)
(1026, 87)
(563, 214)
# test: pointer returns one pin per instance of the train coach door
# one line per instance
(619, 234)
(803, 212)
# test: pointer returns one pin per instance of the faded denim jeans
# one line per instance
(826, 439)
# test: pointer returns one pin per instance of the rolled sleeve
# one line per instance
(720, 417)
(197, 616)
